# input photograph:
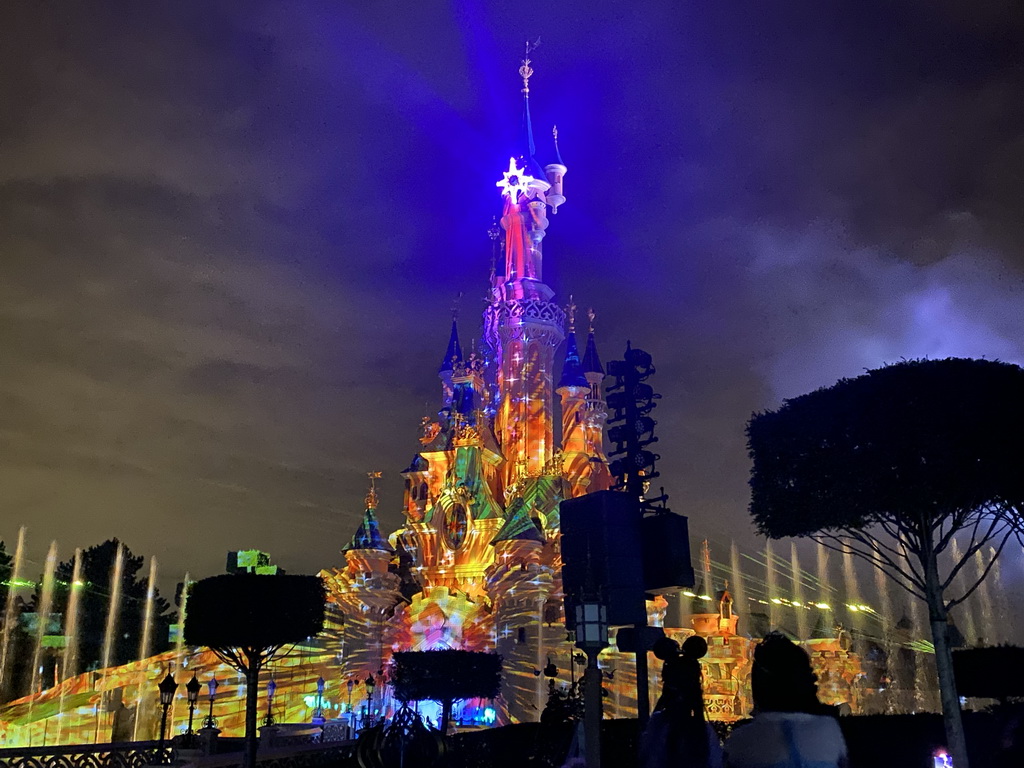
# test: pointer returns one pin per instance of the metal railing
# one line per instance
(135, 754)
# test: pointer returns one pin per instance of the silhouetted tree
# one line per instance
(446, 676)
(996, 672)
(6, 566)
(18, 647)
(890, 466)
(246, 619)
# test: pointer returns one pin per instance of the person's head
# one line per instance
(695, 647)
(782, 679)
(665, 648)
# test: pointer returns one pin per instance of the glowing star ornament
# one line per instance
(514, 182)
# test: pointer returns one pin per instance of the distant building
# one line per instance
(251, 561)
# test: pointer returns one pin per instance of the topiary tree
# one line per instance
(446, 676)
(891, 466)
(246, 619)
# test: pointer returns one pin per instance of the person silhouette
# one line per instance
(791, 727)
(678, 735)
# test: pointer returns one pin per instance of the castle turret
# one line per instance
(369, 552)
(574, 389)
(583, 415)
(555, 172)
(452, 357)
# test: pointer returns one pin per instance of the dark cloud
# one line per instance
(231, 233)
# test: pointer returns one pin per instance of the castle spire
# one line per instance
(453, 354)
(591, 360)
(572, 369)
(527, 144)
(368, 535)
(522, 325)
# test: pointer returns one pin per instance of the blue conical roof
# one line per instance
(572, 370)
(368, 535)
(454, 352)
(591, 361)
(527, 146)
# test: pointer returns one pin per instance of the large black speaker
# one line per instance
(666, 553)
(602, 553)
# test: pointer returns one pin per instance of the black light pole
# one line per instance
(192, 688)
(211, 721)
(167, 688)
(318, 713)
(592, 637)
(271, 690)
(370, 683)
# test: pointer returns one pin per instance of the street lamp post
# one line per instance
(167, 688)
(211, 721)
(350, 727)
(271, 690)
(369, 682)
(591, 637)
(318, 713)
(192, 688)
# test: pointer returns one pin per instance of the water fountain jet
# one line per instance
(10, 611)
(771, 583)
(798, 593)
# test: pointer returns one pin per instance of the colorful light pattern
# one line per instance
(476, 564)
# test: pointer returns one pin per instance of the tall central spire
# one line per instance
(524, 325)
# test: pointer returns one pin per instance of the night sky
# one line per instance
(231, 234)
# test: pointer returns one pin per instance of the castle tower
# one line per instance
(527, 626)
(522, 325)
(583, 415)
(452, 357)
(366, 591)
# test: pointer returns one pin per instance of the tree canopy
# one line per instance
(254, 614)
(892, 466)
(921, 448)
(995, 672)
(446, 676)
(246, 619)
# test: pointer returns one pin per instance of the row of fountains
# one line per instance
(59, 685)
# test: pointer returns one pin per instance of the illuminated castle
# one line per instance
(476, 563)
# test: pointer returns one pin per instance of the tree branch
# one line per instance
(902, 579)
(976, 545)
(984, 573)
(231, 657)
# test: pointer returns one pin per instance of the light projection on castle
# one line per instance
(476, 563)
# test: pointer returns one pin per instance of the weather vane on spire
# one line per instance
(525, 71)
(371, 497)
(591, 314)
(570, 310)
